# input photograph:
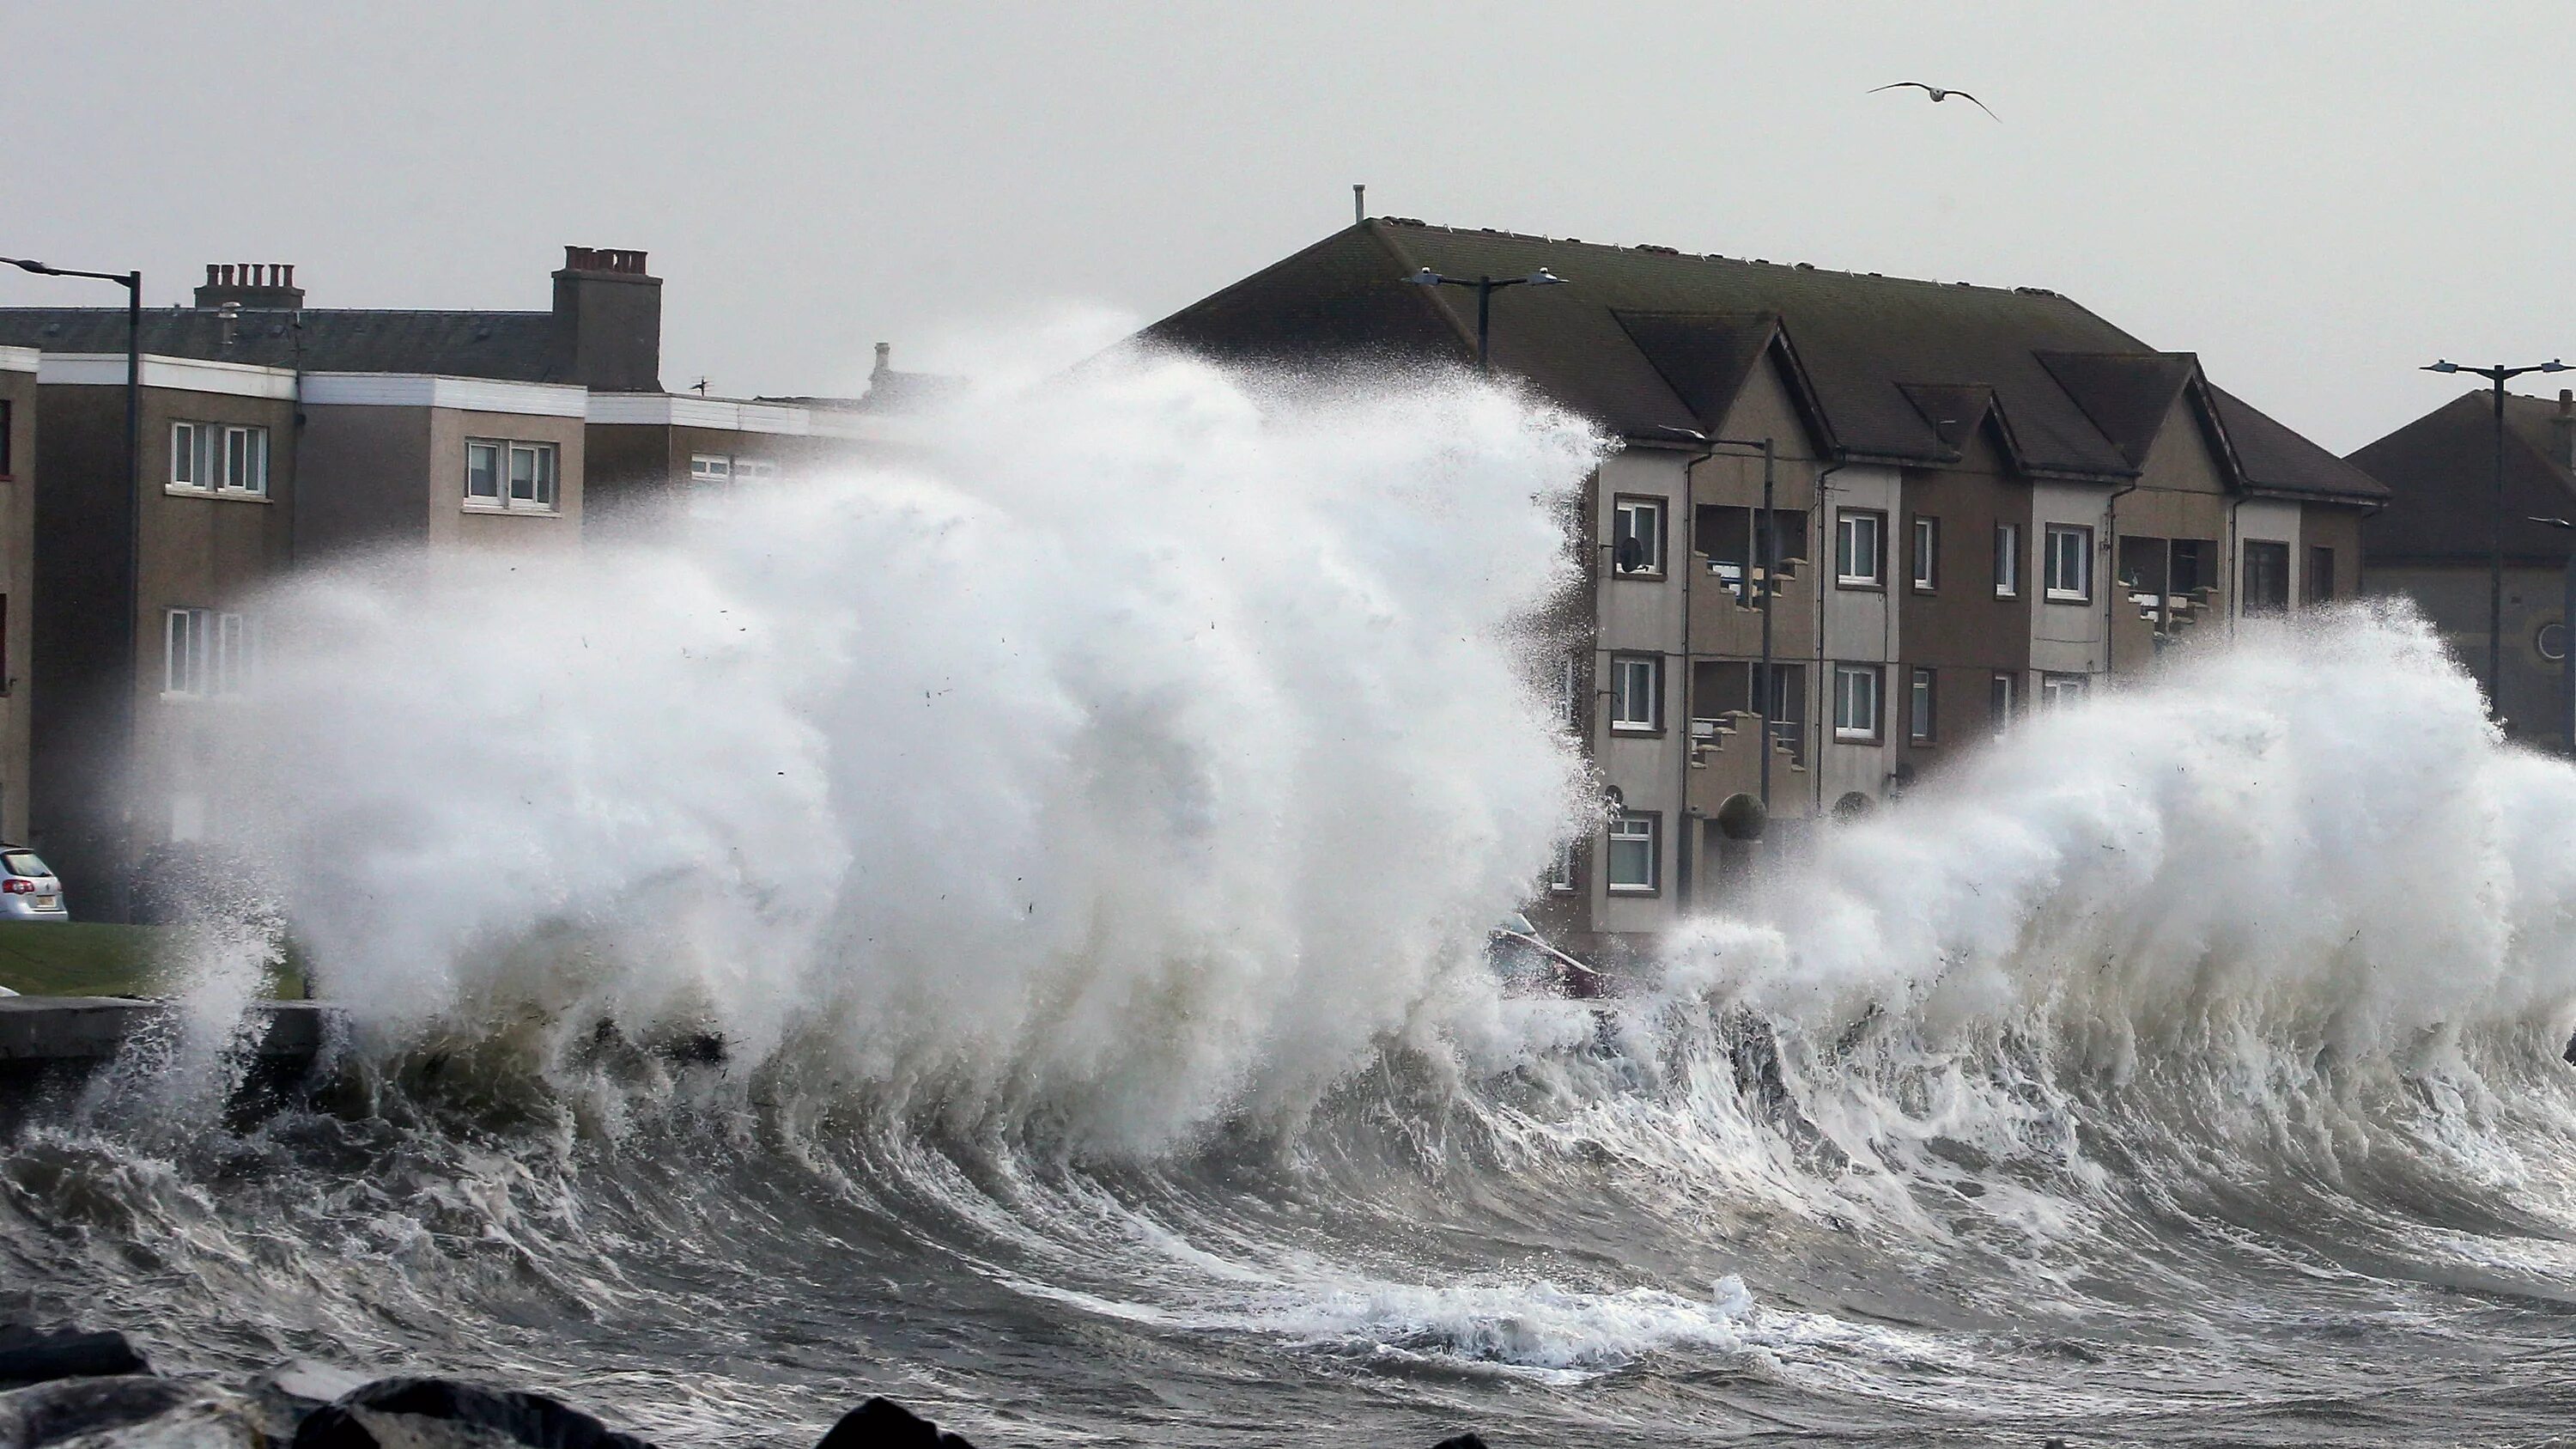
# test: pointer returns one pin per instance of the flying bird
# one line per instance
(1938, 94)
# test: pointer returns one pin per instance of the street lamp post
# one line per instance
(2496, 376)
(1485, 287)
(2566, 641)
(132, 282)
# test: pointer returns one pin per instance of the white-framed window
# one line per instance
(1560, 872)
(502, 474)
(207, 653)
(1636, 692)
(726, 468)
(1631, 855)
(1856, 689)
(1637, 537)
(1860, 549)
(1927, 554)
(1922, 713)
(2058, 691)
(2067, 564)
(1999, 699)
(219, 458)
(2007, 560)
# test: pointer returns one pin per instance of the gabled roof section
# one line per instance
(2128, 395)
(510, 346)
(1646, 340)
(2439, 471)
(1343, 300)
(1952, 410)
(2270, 457)
(1704, 357)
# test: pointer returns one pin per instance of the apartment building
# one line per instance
(276, 435)
(146, 601)
(2437, 539)
(1917, 510)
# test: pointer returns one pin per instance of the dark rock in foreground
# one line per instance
(31, 1355)
(135, 1410)
(447, 1414)
(885, 1424)
(94, 1391)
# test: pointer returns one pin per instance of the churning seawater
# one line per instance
(1081, 831)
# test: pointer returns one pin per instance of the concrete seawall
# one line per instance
(46, 1035)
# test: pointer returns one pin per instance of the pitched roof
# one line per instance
(511, 346)
(2269, 457)
(2128, 395)
(2440, 474)
(1646, 340)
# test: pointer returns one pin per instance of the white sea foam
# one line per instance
(1144, 750)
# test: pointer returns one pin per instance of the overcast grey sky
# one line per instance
(2312, 197)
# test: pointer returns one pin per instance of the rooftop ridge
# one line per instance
(1657, 249)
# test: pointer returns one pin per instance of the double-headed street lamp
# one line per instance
(1485, 287)
(2497, 376)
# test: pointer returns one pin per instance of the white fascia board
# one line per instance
(727, 415)
(176, 374)
(461, 394)
(21, 359)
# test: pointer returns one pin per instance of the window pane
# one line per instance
(1921, 721)
(482, 470)
(523, 474)
(546, 476)
(183, 453)
(1632, 854)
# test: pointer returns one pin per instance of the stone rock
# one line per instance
(410, 1413)
(885, 1424)
(89, 1410)
(286, 1395)
(1460, 1441)
(30, 1355)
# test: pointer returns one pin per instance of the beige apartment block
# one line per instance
(1980, 501)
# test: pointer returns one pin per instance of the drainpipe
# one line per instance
(2111, 595)
(1684, 857)
(1828, 538)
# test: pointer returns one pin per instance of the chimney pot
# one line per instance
(885, 354)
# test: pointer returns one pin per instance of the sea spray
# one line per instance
(1039, 814)
(1140, 751)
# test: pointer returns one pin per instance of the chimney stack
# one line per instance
(885, 363)
(252, 286)
(608, 321)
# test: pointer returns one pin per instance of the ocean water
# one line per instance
(1081, 831)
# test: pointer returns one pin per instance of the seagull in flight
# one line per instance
(1938, 94)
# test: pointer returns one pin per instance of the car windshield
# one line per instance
(24, 862)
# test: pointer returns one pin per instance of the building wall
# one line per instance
(1858, 626)
(2453, 598)
(2066, 636)
(18, 393)
(1641, 616)
(453, 524)
(1726, 631)
(362, 479)
(1961, 629)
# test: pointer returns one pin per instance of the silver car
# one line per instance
(29, 889)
